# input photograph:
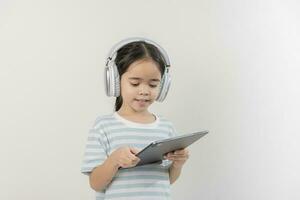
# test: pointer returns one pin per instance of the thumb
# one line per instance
(134, 150)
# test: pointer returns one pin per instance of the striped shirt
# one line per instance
(146, 182)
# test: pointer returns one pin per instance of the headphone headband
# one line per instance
(112, 53)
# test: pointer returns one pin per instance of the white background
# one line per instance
(235, 72)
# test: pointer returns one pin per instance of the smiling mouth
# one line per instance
(142, 100)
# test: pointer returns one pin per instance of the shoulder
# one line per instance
(102, 120)
(163, 119)
(167, 124)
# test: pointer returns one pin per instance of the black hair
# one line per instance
(135, 51)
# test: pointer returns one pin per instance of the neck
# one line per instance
(139, 117)
(125, 112)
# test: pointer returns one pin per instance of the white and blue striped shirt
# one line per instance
(145, 182)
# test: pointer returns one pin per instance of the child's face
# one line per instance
(140, 85)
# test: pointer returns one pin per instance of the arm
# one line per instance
(103, 174)
(174, 173)
(178, 157)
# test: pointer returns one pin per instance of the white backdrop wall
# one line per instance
(235, 72)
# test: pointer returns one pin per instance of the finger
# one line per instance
(134, 150)
(186, 151)
(131, 157)
(126, 161)
(178, 157)
(133, 163)
(181, 155)
(181, 151)
(124, 165)
(136, 162)
(170, 154)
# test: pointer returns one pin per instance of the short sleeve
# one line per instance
(95, 151)
(173, 131)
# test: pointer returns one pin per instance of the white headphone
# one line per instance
(112, 77)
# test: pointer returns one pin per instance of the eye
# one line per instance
(153, 86)
(134, 84)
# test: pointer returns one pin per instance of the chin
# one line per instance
(140, 109)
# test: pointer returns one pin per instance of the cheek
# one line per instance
(155, 92)
(127, 90)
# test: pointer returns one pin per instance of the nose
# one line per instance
(144, 90)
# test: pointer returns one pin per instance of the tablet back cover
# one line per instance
(156, 150)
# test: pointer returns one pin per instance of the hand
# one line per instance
(125, 157)
(178, 157)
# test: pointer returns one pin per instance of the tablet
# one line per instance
(155, 151)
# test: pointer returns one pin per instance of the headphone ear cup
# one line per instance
(107, 81)
(112, 80)
(116, 81)
(164, 87)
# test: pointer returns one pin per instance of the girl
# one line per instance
(137, 74)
